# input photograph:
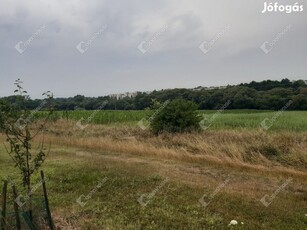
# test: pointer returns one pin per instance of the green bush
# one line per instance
(177, 116)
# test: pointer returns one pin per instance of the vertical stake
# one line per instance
(3, 214)
(18, 227)
(50, 222)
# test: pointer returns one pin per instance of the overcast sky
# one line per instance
(99, 47)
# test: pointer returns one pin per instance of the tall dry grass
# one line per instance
(250, 149)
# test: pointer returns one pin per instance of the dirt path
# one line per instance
(246, 183)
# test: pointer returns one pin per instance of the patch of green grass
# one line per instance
(228, 119)
(173, 205)
(288, 120)
(99, 117)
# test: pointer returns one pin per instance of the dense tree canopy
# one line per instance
(266, 95)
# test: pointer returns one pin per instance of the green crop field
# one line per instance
(100, 117)
(232, 119)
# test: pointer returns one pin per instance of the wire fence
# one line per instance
(24, 211)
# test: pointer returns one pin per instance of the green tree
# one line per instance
(15, 122)
(178, 116)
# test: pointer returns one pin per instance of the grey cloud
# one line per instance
(113, 63)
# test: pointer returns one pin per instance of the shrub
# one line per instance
(15, 124)
(177, 116)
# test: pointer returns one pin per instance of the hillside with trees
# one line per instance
(265, 95)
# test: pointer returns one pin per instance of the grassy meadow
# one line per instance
(198, 180)
(232, 119)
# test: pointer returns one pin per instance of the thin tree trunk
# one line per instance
(3, 216)
(50, 222)
(28, 181)
(18, 227)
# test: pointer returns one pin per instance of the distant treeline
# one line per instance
(265, 95)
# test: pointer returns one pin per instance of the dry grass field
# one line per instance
(200, 180)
